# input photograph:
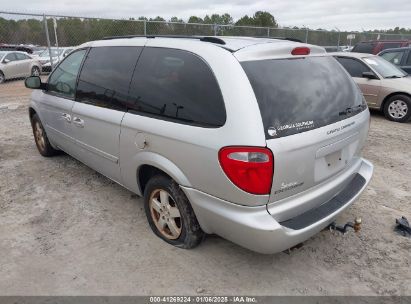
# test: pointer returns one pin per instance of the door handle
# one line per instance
(78, 122)
(66, 117)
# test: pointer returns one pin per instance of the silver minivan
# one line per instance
(256, 140)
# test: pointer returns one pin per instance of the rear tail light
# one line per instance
(300, 50)
(249, 168)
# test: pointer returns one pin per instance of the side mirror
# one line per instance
(34, 82)
(369, 75)
(6, 60)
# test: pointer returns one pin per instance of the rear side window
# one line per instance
(354, 67)
(105, 77)
(178, 86)
(391, 45)
(301, 94)
(408, 63)
(364, 48)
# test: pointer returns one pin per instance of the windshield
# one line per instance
(384, 68)
(54, 53)
(300, 94)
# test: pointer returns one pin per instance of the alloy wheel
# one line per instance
(397, 109)
(165, 214)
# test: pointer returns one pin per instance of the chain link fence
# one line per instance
(42, 32)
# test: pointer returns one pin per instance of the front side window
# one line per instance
(63, 79)
(105, 77)
(408, 63)
(393, 57)
(178, 86)
(11, 57)
(301, 94)
(354, 67)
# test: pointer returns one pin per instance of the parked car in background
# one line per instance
(376, 46)
(256, 140)
(17, 65)
(20, 48)
(37, 50)
(384, 86)
(57, 54)
(401, 57)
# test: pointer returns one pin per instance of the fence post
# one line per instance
(306, 35)
(46, 28)
(268, 32)
(338, 42)
(215, 29)
(145, 27)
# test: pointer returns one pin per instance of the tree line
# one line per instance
(74, 31)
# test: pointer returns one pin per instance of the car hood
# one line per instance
(397, 84)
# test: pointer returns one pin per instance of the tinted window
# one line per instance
(408, 63)
(296, 95)
(63, 79)
(106, 74)
(11, 56)
(366, 47)
(176, 85)
(353, 66)
(392, 45)
(393, 57)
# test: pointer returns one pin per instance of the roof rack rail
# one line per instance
(287, 38)
(201, 38)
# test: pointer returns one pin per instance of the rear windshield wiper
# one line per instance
(351, 110)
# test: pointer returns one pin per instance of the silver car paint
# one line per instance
(117, 144)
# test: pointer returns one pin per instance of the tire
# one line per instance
(398, 108)
(35, 71)
(2, 78)
(175, 221)
(40, 137)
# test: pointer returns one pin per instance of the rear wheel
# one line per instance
(35, 71)
(169, 213)
(398, 108)
(40, 137)
(2, 78)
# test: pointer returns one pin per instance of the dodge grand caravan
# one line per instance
(256, 140)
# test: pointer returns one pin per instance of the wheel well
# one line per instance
(31, 113)
(145, 172)
(389, 96)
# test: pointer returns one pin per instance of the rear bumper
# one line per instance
(256, 229)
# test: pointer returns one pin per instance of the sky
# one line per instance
(352, 15)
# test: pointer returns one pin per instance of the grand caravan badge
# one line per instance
(272, 131)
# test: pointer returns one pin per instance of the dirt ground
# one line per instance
(67, 230)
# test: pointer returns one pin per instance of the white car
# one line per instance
(14, 64)
(57, 55)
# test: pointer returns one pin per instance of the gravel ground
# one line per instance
(67, 230)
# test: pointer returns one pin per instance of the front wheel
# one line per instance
(35, 71)
(169, 213)
(398, 108)
(40, 137)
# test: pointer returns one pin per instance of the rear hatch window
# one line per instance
(300, 94)
(366, 47)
